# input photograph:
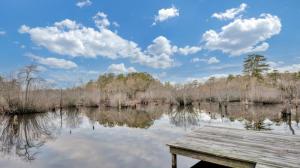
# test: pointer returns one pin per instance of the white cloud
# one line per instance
(116, 24)
(53, 62)
(68, 24)
(274, 64)
(161, 46)
(88, 42)
(70, 38)
(120, 69)
(165, 14)
(2, 33)
(83, 3)
(211, 60)
(230, 13)
(101, 20)
(289, 68)
(187, 50)
(279, 65)
(243, 35)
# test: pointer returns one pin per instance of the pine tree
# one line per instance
(255, 65)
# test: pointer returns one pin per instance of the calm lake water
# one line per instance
(110, 138)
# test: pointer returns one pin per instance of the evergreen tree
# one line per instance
(255, 65)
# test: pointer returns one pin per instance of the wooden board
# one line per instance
(240, 148)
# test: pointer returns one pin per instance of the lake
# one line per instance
(112, 138)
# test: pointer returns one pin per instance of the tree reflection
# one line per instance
(130, 118)
(288, 120)
(24, 134)
(92, 115)
(258, 125)
(184, 117)
(142, 118)
(73, 118)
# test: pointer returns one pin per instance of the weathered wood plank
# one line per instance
(265, 166)
(235, 147)
(212, 158)
(239, 152)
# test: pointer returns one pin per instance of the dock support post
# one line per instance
(174, 161)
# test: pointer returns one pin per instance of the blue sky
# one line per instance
(178, 41)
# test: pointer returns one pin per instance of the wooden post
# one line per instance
(174, 161)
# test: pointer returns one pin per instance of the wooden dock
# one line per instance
(239, 148)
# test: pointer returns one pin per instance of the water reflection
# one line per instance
(73, 118)
(257, 125)
(134, 118)
(184, 117)
(252, 117)
(288, 120)
(24, 134)
(263, 117)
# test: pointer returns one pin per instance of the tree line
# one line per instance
(27, 92)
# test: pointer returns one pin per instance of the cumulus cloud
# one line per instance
(187, 50)
(165, 14)
(101, 20)
(120, 69)
(53, 62)
(243, 35)
(70, 38)
(87, 42)
(83, 3)
(65, 24)
(230, 13)
(161, 45)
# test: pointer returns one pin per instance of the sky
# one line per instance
(73, 41)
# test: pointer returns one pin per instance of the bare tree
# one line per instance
(28, 76)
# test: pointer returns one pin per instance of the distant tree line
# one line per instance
(25, 91)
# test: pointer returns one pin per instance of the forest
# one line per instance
(26, 92)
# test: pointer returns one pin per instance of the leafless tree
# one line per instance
(28, 76)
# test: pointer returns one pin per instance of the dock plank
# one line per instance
(240, 148)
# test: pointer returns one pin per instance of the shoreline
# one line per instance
(32, 110)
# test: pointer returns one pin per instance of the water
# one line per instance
(128, 138)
